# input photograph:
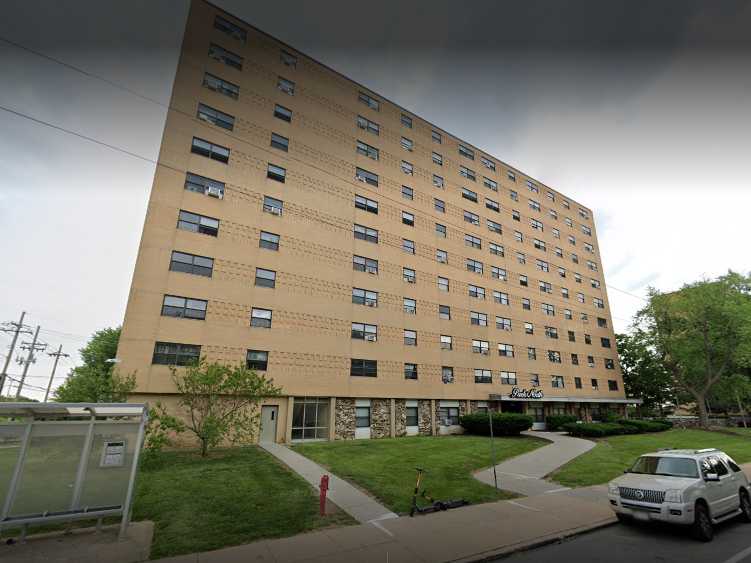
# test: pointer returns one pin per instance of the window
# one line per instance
(597, 302)
(472, 241)
(487, 163)
(443, 284)
(503, 323)
(586, 230)
(532, 186)
(580, 297)
(410, 337)
(366, 150)
(559, 252)
(444, 312)
(480, 347)
(406, 121)
(591, 265)
(553, 213)
(469, 194)
(526, 304)
(203, 185)
(368, 125)
(571, 240)
(571, 336)
(230, 29)
(191, 264)
(578, 382)
(286, 86)
(490, 184)
(408, 219)
(184, 307)
(508, 378)
(529, 328)
(279, 142)
(494, 227)
(562, 272)
(257, 360)
(188, 221)
(260, 318)
(441, 256)
(436, 136)
(366, 204)
(467, 173)
(564, 292)
(545, 287)
(210, 150)
(523, 281)
(269, 241)
(363, 368)
(574, 359)
(364, 297)
(574, 258)
(609, 363)
(542, 265)
(408, 193)
(567, 314)
(595, 385)
(437, 159)
(474, 266)
(506, 350)
(556, 233)
(448, 416)
(410, 371)
(477, 292)
(409, 306)
(591, 361)
(173, 354)
(272, 205)
(500, 297)
(483, 376)
(531, 353)
(362, 264)
(362, 331)
(367, 177)
(602, 323)
(224, 56)
(265, 278)
(215, 117)
(274, 172)
(594, 283)
(498, 273)
(280, 112)
(470, 217)
(221, 86)
(365, 233)
(551, 332)
(539, 244)
(515, 215)
(369, 101)
(478, 319)
(568, 222)
(407, 168)
(496, 249)
(514, 196)
(408, 275)
(518, 236)
(534, 379)
(556, 381)
(439, 205)
(408, 246)
(440, 230)
(565, 204)
(408, 144)
(605, 342)
(288, 58)
(612, 385)
(536, 225)
(511, 175)
(437, 181)
(548, 309)
(534, 205)
(588, 339)
(446, 342)
(466, 152)
(447, 374)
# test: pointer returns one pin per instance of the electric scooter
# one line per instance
(435, 505)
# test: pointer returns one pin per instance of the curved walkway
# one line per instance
(525, 474)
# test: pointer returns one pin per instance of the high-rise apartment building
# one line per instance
(388, 275)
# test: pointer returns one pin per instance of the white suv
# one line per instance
(693, 487)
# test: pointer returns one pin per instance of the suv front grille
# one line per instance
(642, 495)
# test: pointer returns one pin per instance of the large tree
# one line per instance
(96, 380)
(701, 333)
(644, 376)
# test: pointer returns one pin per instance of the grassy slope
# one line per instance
(614, 454)
(386, 468)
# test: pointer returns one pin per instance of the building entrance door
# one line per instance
(269, 416)
(512, 406)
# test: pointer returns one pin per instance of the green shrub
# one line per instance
(645, 425)
(504, 424)
(555, 421)
(665, 421)
(597, 429)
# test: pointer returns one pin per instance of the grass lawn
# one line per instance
(235, 496)
(739, 430)
(386, 468)
(612, 455)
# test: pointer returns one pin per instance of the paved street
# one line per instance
(642, 544)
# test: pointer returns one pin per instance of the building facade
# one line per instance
(387, 275)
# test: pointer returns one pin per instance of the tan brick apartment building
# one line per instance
(388, 276)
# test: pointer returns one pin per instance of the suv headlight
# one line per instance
(613, 489)
(673, 495)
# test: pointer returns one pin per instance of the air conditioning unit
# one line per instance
(370, 337)
(484, 352)
(359, 178)
(410, 280)
(371, 304)
(213, 191)
(372, 271)
(274, 210)
(204, 117)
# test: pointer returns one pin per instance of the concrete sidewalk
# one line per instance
(524, 474)
(353, 501)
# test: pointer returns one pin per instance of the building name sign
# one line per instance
(517, 393)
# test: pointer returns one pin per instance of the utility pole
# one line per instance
(16, 329)
(59, 354)
(30, 358)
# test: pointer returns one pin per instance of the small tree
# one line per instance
(644, 376)
(159, 431)
(221, 401)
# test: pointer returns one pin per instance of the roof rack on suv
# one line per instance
(664, 449)
(705, 450)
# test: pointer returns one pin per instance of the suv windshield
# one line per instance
(668, 466)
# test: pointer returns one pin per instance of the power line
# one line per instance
(628, 293)
(17, 328)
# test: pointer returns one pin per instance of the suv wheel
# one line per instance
(702, 529)
(745, 506)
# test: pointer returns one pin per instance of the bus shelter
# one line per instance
(61, 462)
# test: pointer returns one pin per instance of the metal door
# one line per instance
(269, 417)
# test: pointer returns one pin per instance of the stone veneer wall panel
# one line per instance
(345, 419)
(400, 417)
(424, 419)
(380, 418)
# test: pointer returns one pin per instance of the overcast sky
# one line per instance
(639, 110)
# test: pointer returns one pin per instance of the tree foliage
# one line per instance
(221, 401)
(701, 333)
(644, 375)
(96, 380)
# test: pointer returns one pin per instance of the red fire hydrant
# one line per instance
(324, 487)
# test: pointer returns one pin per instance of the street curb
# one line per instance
(490, 555)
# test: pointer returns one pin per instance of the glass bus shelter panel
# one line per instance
(10, 447)
(49, 471)
(109, 465)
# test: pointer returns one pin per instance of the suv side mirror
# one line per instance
(711, 477)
